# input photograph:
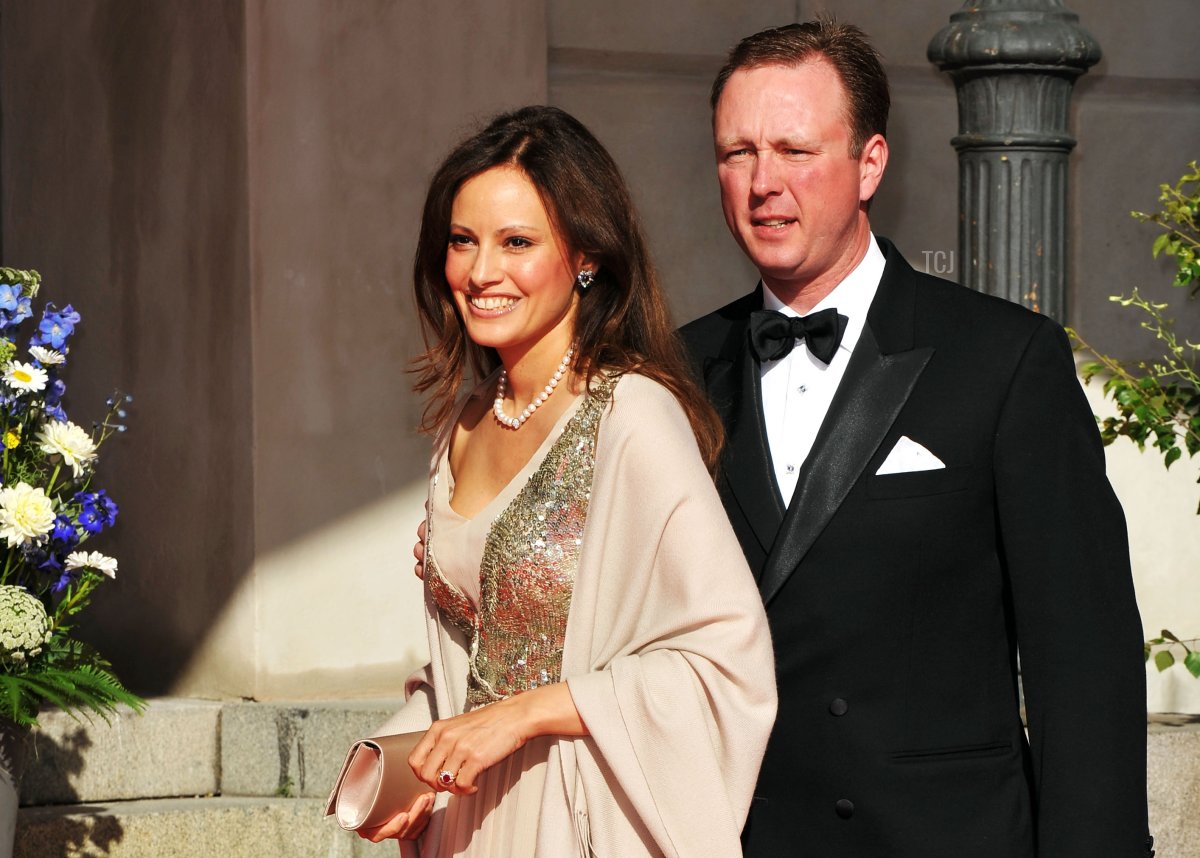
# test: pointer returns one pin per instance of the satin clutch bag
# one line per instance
(376, 782)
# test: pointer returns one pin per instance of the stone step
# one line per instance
(276, 748)
(283, 756)
(213, 827)
(171, 750)
(182, 747)
(1173, 784)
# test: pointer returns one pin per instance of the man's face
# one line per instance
(791, 192)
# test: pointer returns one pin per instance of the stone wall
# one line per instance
(229, 193)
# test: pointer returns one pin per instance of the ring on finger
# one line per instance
(446, 778)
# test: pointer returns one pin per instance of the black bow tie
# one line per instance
(773, 335)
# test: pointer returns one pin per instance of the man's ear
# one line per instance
(871, 164)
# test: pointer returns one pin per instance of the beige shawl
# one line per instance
(667, 656)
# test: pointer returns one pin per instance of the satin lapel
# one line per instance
(869, 398)
(733, 386)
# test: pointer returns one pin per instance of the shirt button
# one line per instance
(838, 706)
(791, 469)
(802, 389)
(844, 808)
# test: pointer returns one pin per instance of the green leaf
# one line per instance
(1163, 659)
(1166, 633)
(1172, 454)
(1192, 663)
(1160, 243)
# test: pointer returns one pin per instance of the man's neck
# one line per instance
(802, 296)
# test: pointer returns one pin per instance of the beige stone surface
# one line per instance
(1173, 767)
(295, 748)
(173, 749)
(668, 26)
(189, 828)
(1144, 41)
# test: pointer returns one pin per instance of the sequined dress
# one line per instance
(504, 578)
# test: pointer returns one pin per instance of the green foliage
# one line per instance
(1158, 401)
(30, 281)
(1179, 218)
(69, 675)
(1160, 648)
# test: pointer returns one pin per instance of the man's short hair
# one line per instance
(844, 46)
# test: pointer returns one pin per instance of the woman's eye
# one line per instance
(459, 240)
(518, 241)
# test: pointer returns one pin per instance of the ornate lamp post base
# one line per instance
(1014, 65)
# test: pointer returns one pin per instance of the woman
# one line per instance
(602, 679)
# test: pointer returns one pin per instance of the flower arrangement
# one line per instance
(48, 509)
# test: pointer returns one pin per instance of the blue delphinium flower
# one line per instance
(14, 307)
(56, 326)
(63, 534)
(91, 519)
(24, 310)
(97, 511)
(44, 560)
(109, 507)
(9, 294)
(52, 397)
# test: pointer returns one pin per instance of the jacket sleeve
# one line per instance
(1079, 636)
(674, 672)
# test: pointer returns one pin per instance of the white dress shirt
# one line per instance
(797, 390)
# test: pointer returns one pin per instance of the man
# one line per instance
(917, 481)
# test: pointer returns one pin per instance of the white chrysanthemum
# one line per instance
(47, 357)
(101, 563)
(24, 626)
(25, 513)
(69, 441)
(25, 376)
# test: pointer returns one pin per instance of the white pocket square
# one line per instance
(908, 456)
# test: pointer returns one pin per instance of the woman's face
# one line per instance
(509, 272)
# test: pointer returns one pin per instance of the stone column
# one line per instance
(1014, 64)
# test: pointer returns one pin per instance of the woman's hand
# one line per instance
(419, 551)
(406, 825)
(468, 744)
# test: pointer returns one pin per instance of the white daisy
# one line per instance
(25, 376)
(25, 513)
(69, 441)
(47, 357)
(92, 560)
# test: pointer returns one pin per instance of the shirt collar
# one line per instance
(852, 297)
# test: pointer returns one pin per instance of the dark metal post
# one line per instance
(1014, 64)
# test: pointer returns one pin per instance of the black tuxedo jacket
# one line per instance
(900, 604)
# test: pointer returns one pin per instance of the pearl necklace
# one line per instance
(518, 421)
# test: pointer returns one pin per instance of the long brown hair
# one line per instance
(621, 324)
